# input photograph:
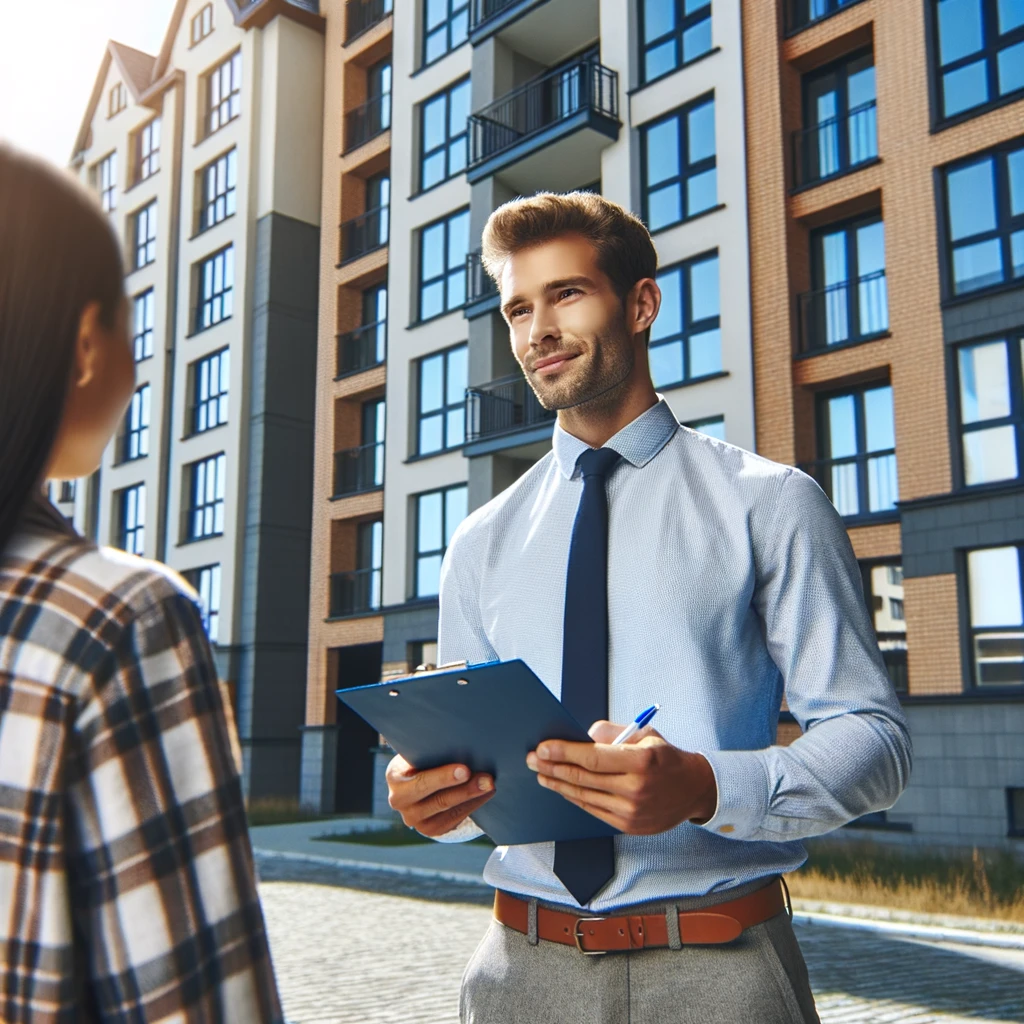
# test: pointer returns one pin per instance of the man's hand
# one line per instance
(641, 787)
(434, 802)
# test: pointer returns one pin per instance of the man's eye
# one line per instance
(569, 291)
(517, 311)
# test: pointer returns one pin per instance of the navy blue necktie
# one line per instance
(585, 866)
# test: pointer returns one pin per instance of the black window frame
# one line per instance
(372, 572)
(204, 20)
(444, 94)
(209, 408)
(132, 538)
(895, 666)
(142, 340)
(218, 206)
(215, 300)
(683, 23)
(447, 272)
(1014, 827)
(211, 614)
(144, 248)
(137, 417)
(67, 491)
(229, 102)
(107, 189)
(455, 9)
(796, 23)
(147, 151)
(445, 408)
(418, 555)
(199, 509)
(969, 631)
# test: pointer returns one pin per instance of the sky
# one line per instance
(50, 54)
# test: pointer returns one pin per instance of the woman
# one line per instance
(127, 889)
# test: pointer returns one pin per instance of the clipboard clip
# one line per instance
(429, 667)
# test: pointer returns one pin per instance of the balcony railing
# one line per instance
(843, 313)
(362, 348)
(858, 485)
(363, 234)
(481, 11)
(365, 122)
(479, 284)
(354, 592)
(362, 15)
(358, 469)
(835, 146)
(801, 13)
(544, 101)
(503, 407)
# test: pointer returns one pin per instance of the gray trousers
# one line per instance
(760, 978)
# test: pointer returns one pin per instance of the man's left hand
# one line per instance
(641, 787)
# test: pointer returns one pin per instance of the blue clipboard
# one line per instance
(487, 717)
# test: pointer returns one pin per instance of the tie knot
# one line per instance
(597, 461)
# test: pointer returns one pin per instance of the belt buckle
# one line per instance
(579, 938)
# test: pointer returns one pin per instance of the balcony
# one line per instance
(845, 313)
(364, 234)
(573, 108)
(362, 349)
(836, 146)
(367, 122)
(357, 470)
(362, 15)
(862, 487)
(543, 31)
(503, 414)
(354, 593)
(801, 13)
(481, 292)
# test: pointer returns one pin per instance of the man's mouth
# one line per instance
(552, 364)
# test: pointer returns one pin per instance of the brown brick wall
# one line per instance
(933, 634)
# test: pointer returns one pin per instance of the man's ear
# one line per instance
(87, 349)
(646, 301)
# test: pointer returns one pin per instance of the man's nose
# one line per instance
(543, 328)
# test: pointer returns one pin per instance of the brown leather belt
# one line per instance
(713, 925)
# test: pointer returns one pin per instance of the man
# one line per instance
(642, 562)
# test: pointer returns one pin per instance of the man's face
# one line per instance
(568, 326)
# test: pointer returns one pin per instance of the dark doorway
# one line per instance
(357, 666)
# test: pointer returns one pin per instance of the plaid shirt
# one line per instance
(127, 887)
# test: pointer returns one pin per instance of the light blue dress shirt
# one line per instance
(731, 580)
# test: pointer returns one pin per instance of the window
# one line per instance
(445, 26)
(374, 416)
(378, 197)
(443, 151)
(985, 220)
(67, 490)
(1015, 810)
(210, 392)
(206, 498)
(680, 179)
(106, 181)
(142, 333)
(136, 426)
(996, 604)
(147, 150)
(375, 316)
(991, 409)
(437, 515)
(422, 652)
(443, 248)
(442, 400)
(202, 24)
(206, 581)
(378, 93)
(216, 288)
(883, 591)
(857, 451)
(369, 556)
(713, 427)
(686, 342)
(218, 190)
(118, 99)
(672, 33)
(980, 52)
(145, 236)
(224, 93)
(804, 12)
(132, 519)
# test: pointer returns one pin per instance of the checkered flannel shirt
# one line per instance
(127, 887)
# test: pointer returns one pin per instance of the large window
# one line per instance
(680, 178)
(445, 26)
(206, 498)
(142, 330)
(147, 150)
(992, 409)
(106, 181)
(800, 13)
(438, 513)
(443, 249)
(686, 341)
(996, 601)
(145, 235)
(980, 53)
(985, 220)
(218, 190)
(672, 33)
(883, 591)
(443, 151)
(206, 581)
(442, 401)
(210, 391)
(136, 426)
(714, 426)
(224, 93)
(131, 519)
(216, 288)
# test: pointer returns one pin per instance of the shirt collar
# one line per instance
(637, 442)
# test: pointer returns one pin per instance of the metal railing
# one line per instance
(481, 11)
(858, 485)
(845, 312)
(502, 407)
(354, 592)
(801, 13)
(479, 284)
(306, 5)
(364, 233)
(554, 96)
(836, 145)
(367, 121)
(359, 469)
(362, 348)
(362, 15)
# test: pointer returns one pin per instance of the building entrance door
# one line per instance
(357, 666)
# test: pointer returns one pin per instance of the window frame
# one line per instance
(211, 614)
(132, 539)
(1014, 828)
(205, 25)
(148, 299)
(137, 421)
(225, 295)
(866, 566)
(683, 23)
(144, 248)
(108, 191)
(445, 408)
(835, 7)
(197, 507)
(215, 402)
(449, 140)
(968, 629)
(230, 101)
(229, 197)
(422, 284)
(147, 161)
(433, 552)
(117, 99)
(454, 8)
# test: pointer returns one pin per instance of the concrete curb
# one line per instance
(363, 865)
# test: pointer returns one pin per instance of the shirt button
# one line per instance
(726, 828)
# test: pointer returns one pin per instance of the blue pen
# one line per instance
(638, 723)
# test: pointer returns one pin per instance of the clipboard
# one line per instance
(488, 717)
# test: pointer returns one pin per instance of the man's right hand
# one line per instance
(435, 801)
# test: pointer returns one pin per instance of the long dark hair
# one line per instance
(58, 253)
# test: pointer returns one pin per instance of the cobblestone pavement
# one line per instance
(332, 933)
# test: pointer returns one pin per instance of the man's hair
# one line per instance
(625, 252)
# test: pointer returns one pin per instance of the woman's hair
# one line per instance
(58, 254)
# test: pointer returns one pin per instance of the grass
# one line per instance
(989, 885)
(278, 812)
(394, 836)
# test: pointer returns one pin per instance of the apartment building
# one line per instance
(885, 150)
(207, 158)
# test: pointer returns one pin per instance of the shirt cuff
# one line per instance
(743, 793)
(462, 833)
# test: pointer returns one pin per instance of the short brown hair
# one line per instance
(625, 252)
